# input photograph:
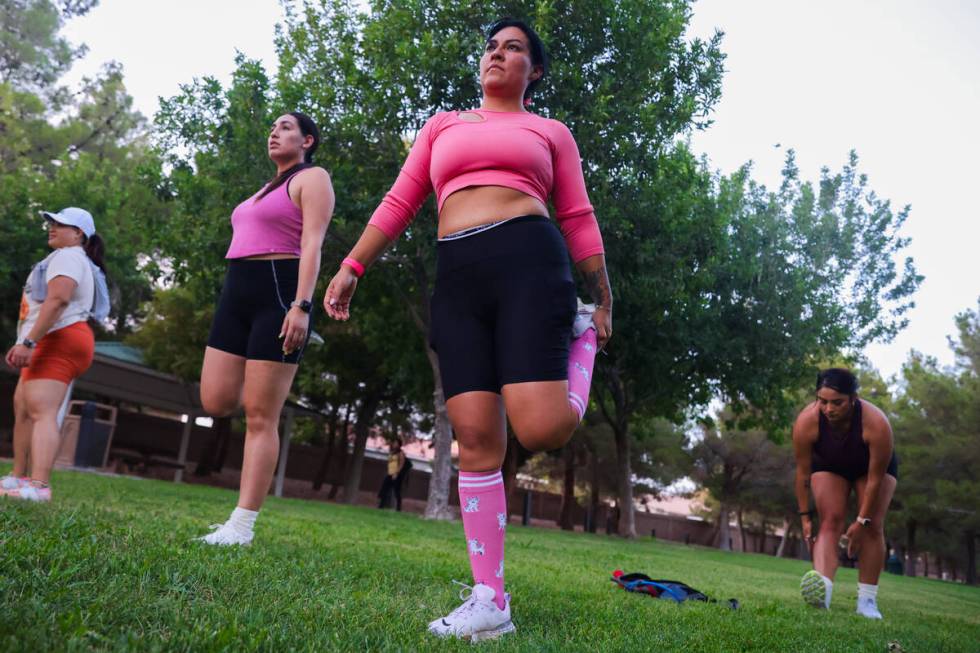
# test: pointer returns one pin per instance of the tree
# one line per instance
(741, 469)
(33, 56)
(938, 441)
(90, 151)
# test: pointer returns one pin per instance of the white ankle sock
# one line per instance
(830, 590)
(242, 520)
(867, 591)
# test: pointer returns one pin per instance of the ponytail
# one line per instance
(95, 249)
(280, 179)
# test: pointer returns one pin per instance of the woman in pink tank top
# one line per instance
(262, 321)
(504, 321)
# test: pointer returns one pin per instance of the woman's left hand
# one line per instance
(294, 328)
(19, 356)
(602, 319)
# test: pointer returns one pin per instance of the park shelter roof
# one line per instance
(120, 372)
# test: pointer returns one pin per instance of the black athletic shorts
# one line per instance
(849, 471)
(254, 301)
(503, 307)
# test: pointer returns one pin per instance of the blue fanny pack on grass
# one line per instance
(673, 590)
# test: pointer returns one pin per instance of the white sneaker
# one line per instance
(9, 482)
(868, 608)
(30, 492)
(477, 619)
(226, 535)
(583, 318)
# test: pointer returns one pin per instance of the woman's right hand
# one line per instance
(339, 293)
(807, 524)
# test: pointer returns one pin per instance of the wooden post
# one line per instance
(185, 439)
(287, 434)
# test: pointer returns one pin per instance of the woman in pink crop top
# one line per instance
(262, 321)
(504, 320)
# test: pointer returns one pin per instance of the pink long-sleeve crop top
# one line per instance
(518, 150)
(270, 225)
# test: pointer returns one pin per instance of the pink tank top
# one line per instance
(271, 225)
(537, 156)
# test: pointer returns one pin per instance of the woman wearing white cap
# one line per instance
(54, 345)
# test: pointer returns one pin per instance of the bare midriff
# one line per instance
(470, 207)
(268, 257)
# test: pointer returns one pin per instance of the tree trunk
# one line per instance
(365, 418)
(594, 493)
(910, 547)
(724, 529)
(781, 551)
(624, 474)
(437, 503)
(971, 557)
(741, 530)
(343, 454)
(925, 565)
(321, 472)
(761, 548)
(566, 514)
(509, 471)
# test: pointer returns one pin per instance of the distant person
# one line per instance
(262, 322)
(843, 442)
(398, 467)
(512, 341)
(55, 345)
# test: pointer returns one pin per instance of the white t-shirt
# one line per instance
(71, 262)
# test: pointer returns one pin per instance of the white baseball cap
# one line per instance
(75, 217)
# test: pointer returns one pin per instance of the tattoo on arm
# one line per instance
(597, 284)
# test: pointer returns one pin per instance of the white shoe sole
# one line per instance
(813, 589)
(499, 631)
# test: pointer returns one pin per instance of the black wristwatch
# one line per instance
(864, 521)
(304, 305)
(30, 344)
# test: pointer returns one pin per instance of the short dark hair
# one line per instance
(538, 55)
(839, 379)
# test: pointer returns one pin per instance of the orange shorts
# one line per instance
(62, 355)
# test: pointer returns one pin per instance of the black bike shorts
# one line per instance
(254, 301)
(503, 307)
(848, 470)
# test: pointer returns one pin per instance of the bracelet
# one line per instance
(805, 513)
(354, 265)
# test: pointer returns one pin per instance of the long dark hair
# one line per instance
(838, 379)
(308, 128)
(95, 249)
(538, 55)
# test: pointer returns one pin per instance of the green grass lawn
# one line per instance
(111, 565)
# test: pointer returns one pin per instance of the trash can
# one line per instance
(86, 434)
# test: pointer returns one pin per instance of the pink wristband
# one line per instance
(355, 265)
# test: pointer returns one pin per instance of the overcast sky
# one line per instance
(896, 80)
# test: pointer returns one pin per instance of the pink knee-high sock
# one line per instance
(484, 508)
(581, 359)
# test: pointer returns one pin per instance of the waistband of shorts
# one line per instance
(525, 238)
(259, 263)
